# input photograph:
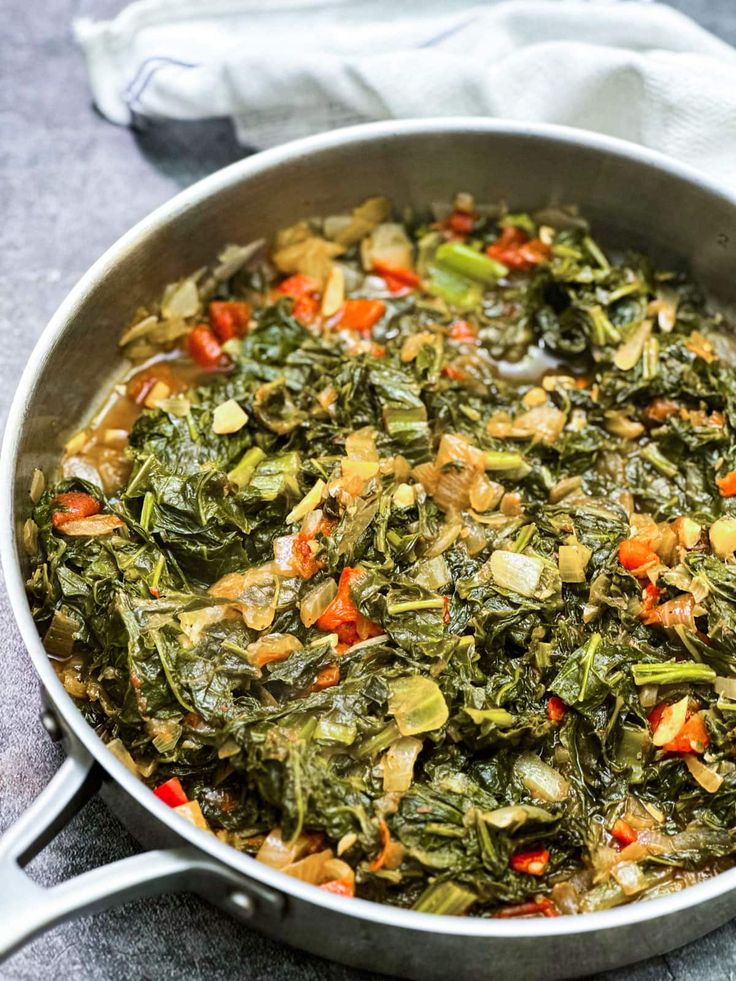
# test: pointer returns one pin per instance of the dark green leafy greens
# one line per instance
(498, 635)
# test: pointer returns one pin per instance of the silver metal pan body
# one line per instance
(634, 198)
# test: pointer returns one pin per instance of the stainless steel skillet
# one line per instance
(634, 198)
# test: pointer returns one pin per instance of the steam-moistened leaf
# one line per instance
(417, 704)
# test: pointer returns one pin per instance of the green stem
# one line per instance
(659, 461)
(466, 261)
(670, 672)
(406, 607)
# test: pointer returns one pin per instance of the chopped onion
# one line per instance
(540, 779)
(30, 537)
(427, 474)
(307, 504)
(387, 245)
(516, 572)
(309, 869)
(414, 344)
(453, 489)
(277, 853)
(361, 444)
(630, 876)
(618, 423)
(447, 537)
(256, 594)
(484, 493)
(544, 422)
(398, 764)
(417, 704)
(180, 299)
(457, 449)
(672, 720)
(228, 418)
(38, 483)
(334, 294)
(628, 354)
(432, 574)
(192, 812)
(316, 602)
(58, 640)
(95, 526)
(648, 695)
(572, 561)
(725, 686)
(273, 647)
(722, 537)
(707, 778)
(120, 752)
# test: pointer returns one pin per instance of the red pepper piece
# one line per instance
(535, 907)
(532, 862)
(623, 832)
(171, 792)
(360, 315)
(727, 484)
(341, 610)
(229, 318)
(75, 504)
(633, 554)
(692, 737)
(460, 222)
(398, 279)
(341, 887)
(556, 709)
(204, 348)
(516, 250)
(306, 295)
(327, 677)
(462, 332)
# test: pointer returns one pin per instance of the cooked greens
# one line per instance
(427, 591)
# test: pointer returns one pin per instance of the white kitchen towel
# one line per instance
(287, 68)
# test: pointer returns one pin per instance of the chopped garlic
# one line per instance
(228, 418)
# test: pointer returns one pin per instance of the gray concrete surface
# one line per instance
(70, 184)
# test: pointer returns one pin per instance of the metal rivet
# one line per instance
(244, 903)
(51, 725)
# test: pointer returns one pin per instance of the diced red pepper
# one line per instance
(398, 280)
(533, 862)
(651, 597)
(341, 887)
(327, 677)
(516, 250)
(556, 709)
(294, 556)
(229, 318)
(204, 348)
(463, 332)
(360, 315)
(623, 832)
(454, 373)
(727, 484)
(460, 222)
(341, 610)
(633, 554)
(171, 792)
(306, 294)
(380, 860)
(298, 285)
(73, 505)
(693, 736)
(143, 381)
(535, 907)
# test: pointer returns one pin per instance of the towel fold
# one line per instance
(289, 68)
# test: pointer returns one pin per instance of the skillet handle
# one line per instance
(27, 909)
